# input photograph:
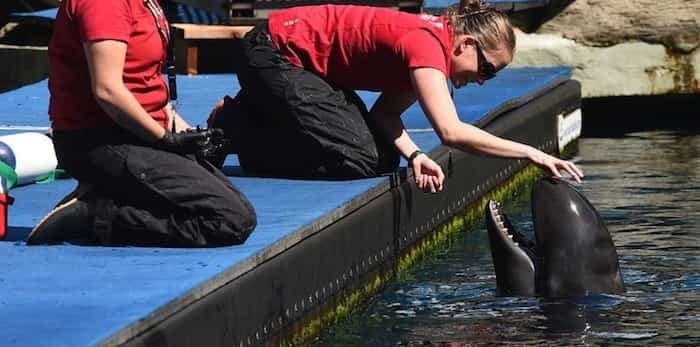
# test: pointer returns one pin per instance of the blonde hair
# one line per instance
(489, 25)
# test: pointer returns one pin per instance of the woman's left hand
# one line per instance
(428, 174)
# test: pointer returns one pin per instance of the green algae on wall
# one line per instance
(346, 302)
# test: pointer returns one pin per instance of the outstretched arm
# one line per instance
(431, 88)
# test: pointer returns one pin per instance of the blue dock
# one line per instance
(319, 245)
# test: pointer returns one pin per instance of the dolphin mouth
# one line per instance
(507, 232)
(512, 252)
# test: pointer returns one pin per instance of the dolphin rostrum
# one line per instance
(572, 255)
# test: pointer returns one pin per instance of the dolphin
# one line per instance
(572, 254)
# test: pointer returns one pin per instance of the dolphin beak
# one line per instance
(514, 267)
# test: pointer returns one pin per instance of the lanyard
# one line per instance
(168, 45)
(158, 15)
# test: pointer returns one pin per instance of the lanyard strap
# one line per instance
(168, 45)
(170, 68)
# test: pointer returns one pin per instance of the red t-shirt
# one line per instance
(359, 47)
(72, 105)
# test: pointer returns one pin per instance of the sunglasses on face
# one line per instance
(485, 69)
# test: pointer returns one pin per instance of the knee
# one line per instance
(248, 221)
(237, 222)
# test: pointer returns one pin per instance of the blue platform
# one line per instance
(75, 296)
(45, 14)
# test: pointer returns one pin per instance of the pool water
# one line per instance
(646, 186)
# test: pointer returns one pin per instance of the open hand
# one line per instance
(553, 164)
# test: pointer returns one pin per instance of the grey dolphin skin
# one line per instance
(572, 255)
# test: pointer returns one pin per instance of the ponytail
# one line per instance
(489, 25)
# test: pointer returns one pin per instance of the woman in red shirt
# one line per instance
(297, 114)
(114, 131)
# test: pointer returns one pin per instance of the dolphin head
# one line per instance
(579, 256)
(572, 254)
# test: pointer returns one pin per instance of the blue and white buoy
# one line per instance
(30, 155)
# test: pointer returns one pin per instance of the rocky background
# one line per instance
(617, 47)
(674, 23)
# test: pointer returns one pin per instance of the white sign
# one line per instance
(569, 128)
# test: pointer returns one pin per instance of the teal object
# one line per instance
(9, 174)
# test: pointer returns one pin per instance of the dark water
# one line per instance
(647, 188)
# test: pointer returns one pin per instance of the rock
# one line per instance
(673, 23)
(621, 47)
(623, 69)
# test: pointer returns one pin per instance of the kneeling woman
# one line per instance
(139, 182)
(297, 115)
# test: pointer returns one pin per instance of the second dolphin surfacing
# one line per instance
(572, 254)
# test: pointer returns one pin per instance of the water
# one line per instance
(647, 188)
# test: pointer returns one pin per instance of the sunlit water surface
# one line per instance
(645, 186)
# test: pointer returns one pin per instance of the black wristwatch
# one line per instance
(413, 156)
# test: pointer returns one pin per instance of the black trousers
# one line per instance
(147, 197)
(289, 122)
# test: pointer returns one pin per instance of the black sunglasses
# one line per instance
(485, 69)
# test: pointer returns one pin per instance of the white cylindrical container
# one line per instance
(30, 154)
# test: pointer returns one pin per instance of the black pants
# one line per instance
(148, 197)
(288, 122)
